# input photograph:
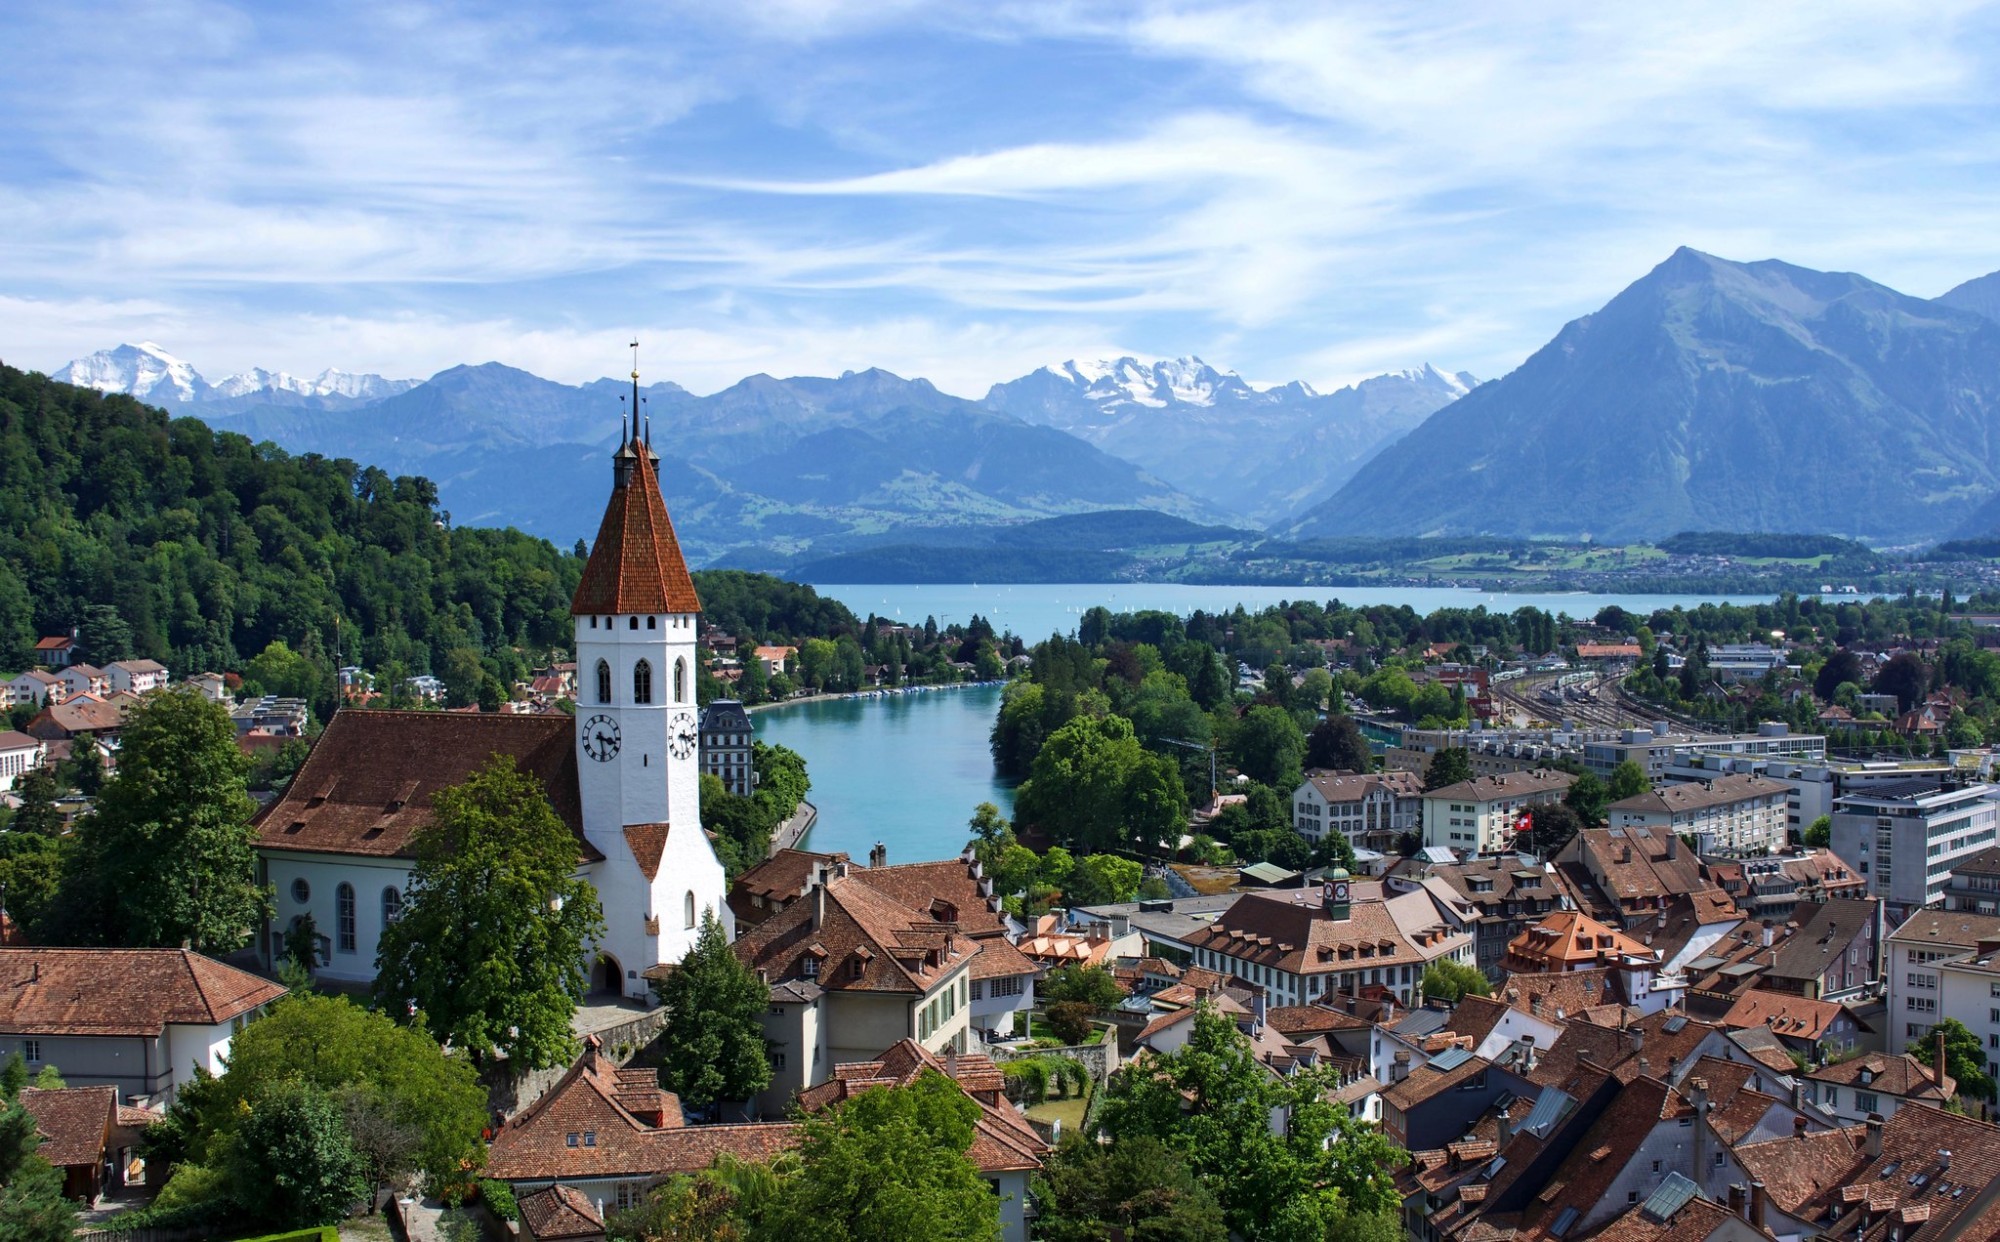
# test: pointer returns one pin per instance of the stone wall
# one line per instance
(1100, 1061)
(509, 1093)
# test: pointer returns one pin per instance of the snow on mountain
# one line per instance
(150, 373)
(144, 370)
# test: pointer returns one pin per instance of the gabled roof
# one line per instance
(1505, 785)
(1933, 1180)
(602, 1121)
(1791, 1017)
(862, 941)
(559, 1211)
(1002, 1140)
(1287, 929)
(1565, 937)
(74, 1122)
(121, 991)
(930, 885)
(635, 564)
(367, 785)
(1899, 1075)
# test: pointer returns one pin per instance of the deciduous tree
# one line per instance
(1137, 1189)
(712, 1048)
(490, 945)
(1447, 767)
(1337, 743)
(1449, 981)
(293, 1163)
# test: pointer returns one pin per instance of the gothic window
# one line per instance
(642, 682)
(603, 682)
(392, 905)
(343, 913)
(689, 913)
(680, 681)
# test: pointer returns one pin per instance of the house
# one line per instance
(1736, 816)
(1644, 880)
(777, 882)
(728, 738)
(77, 1125)
(1302, 944)
(1507, 892)
(1049, 943)
(20, 754)
(1916, 953)
(211, 686)
(425, 688)
(1974, 883)
(1481, 816)
(139, 1020)
(1879, 1083)
(1826, 950)
(1923, 1175)
(36, 686)
(559, 1212)
(622, 774)
(1372, 811)
(58, 651)
(279, 717)
(1437, 1101)
(71, 719)
(775, 658)
(1813, 1028)
(136, 676)
(83, 679)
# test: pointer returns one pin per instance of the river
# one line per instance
(906, 770)
(1034, 610)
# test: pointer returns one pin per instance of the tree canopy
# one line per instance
(490, 945)
(1448, 766)
(712, 1047)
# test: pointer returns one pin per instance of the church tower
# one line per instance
(637, 730)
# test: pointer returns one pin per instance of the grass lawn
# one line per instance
(1038, 1029)
(1208, 881)
(1069, 1111)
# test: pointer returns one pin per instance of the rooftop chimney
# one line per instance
(819, 904)
(1401, 1065)
(1944, 1158)
(1638, 1040)
(1872, 1144)
(1767, 933)
(1738, 1200)
(1673, 846)
(1527, 1054)
(1798, 1127)
(1757, 1205)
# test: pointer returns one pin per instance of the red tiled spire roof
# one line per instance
(636, 564)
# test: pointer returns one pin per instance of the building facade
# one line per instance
(1904, 837)
(1481, 816)
(1735, 816)
(728, 741)
(1371, 810)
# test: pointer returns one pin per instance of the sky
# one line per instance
(964, 192)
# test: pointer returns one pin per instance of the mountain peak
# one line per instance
(149, 372)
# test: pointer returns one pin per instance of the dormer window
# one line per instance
(809, 966)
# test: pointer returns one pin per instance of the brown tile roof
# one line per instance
(1723, 790)
(1286, 929)
(1505, 785)
(1899, 1075)
(1956, 928)
(1566, 937)
(934, 886)
(1339, 787)
(1793, 1017)
(635, 564)
(559, 1211)
(121, 991)
(998, 959)
(1002, 1139)
(1634, 869)
(74, 1122)
(866, 942)
(58, 643)
(1558, 996)
(1611, 1048)
(1586, 1175)
(368, 784)
(648, 842)
(1297, 1020)
(783, 876)
(1425, 1081)
(1694, 1221)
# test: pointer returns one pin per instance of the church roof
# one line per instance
(367, 786)
(636, 564)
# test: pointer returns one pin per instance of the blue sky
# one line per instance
(964, 192)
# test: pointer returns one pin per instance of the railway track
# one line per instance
(1604, 705)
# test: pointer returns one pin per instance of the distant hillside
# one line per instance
(1083, 547)
(1710, 395)
(1980, 295)
(1266, 454)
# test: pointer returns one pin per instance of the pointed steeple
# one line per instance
(635, 564)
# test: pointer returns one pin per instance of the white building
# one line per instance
(1481, 815)
(83, 679)
(19, 755)
(1918, 993)
(136, 676)
(1371, 810)
(622, 774)
(35, 686)
(1737, 816)
(1903, 836)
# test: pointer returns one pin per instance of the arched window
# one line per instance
(343, 915)
(680, 681)
(392, 905)
(690, 908)
(633, 624)
(603, 682)
(642, 682)
(652, 623)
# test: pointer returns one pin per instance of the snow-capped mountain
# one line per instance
(1263, 453)
(152, 374)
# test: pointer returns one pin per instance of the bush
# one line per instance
(1070, 1020)
(499, 1198)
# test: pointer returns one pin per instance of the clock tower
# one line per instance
(638, 771)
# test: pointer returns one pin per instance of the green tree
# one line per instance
(1337, 744)
(38, 791)
(1550, 827)
(1212, 1103)
(292, 1162)
(1906, 676)
(992, 836)
(86, 766)
(490, 945)
(1628, 780)
(1448, 766)
(712, 1047)
(888, 1165)
(32, 1205)
(1089, 985)
(1139, 1189)
(1588, 798)
(417, 1106)
(1269, 747)
(1819, 833)
(1964, 1057)
(1448, 981)
(168, 854)
(31, 870)
(1101, 879)
(1077, 790)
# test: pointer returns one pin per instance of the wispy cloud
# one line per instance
(1300, 190)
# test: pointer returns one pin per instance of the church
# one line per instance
(623, 773)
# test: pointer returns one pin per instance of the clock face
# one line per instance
(683, 735)
(1340, 892)
(600, 738)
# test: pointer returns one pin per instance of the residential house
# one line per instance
(1828, 950)
(136, 676)
(1974, 883)
(1736, 816)
(1481, 816)
(73, 718)
(727, 738)
(1812, 1028)
(425, 687)
(1508, 892)
(36, 686)
(1879, 1083)
(57, 651)
(83, 679)
(212, 686)
(1372, 811)
(775, 658)
(559, 1212)
(77, 1126)
(139, 1020)
(1302, 944)
(1437, 1101)
(1647, 883)
(1905, 837)
(1917, 988)
(1922, 1175)
(272, 715)
(777, 882)
(20, 754)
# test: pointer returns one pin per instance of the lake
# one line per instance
(905, 770)
(1034, 610)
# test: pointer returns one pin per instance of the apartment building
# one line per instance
(1904, 837)
(1480, 816)
(1736, 816)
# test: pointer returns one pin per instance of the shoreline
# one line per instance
(878, 692)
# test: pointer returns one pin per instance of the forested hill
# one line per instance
(161, 537)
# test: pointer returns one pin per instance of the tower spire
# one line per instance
(635, 390)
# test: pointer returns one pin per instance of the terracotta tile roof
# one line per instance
(1801, 1168)
(1002, 1140)
(559, 1211)
(648, 842)
(1899, 1075)
(1761, 1046)
(1297, 1020)
(1792, 1017)
(998, 959)
(1611, 1048)
(58, 643)
(121, 991)
(1641, 869)
(1694, 1221)
(1286, 929)
(783, 876)
(1586, 1175)
(368, 784)
(635, 564)
(1425, 1082)
(1474, 1017)
(1341, 787)
(1956, 928)
(1567, 937)
(865, 942)
(74, 1122)
(1558, 996)
(933, 885)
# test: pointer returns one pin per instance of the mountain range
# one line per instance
(1713, 395)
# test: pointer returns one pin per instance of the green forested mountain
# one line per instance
(162, 537)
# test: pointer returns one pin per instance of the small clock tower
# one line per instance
(637, 728)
